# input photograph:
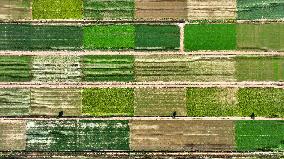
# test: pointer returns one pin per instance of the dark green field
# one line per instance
(210, 37)
(157, 37)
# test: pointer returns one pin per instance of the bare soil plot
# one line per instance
(160, 9)
(12, 135)
(159, 101)
(56, 69)
(46, 101)
(211, 9)
(182, 135)
(15, 9)
(183, 68)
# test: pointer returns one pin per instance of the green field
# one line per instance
(109, 37)
(259, 9)
(267, 37)
(210, 37)
(157, 37)
(14, 102)
(109, 10)
(108, 101)
(260, 68)
(57, 9)
(15, 68)
(56, 69)
(259, 135)
(108, 68)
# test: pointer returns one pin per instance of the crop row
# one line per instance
(141, 135)
(140, 68)
(141, 10)
(142, 37)
(192, 102)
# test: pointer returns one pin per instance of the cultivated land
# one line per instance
(12, 135)
(109, 10)
(210, 37)
(46, 101)
(183, 68)
(114, 37)
(160, 10)
(211, 9)
(157, 37)
(267, 37)
(14, 102)
(108, 68)
(159, 101)
(56, 69)
(57, 9)
(258, 9)
(108, 102)
(181, 135)
(77, 135)
(15, 9)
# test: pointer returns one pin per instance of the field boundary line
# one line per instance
(140, 53)
(141, 84)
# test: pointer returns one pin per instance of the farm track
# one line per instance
(140, 84)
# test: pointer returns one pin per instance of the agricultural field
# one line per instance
(113, 37)
(183, 68)
(260, 68)
(108, 101)
(160, 10)
(12, 135)
(109, 10)
(157, 37)
(211, 10)
(210, 37)
(57, 9)
(108, 68)
(56, 69)
(14, 102)
(182, 135)
(258, 9)
(267, 37)
(77, 135)
(159, 101)
(15, 68)
(259, 135)
(15, 9)
(50, 101)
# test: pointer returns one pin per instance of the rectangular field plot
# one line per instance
(57, 9)
(260, 135)
(109, 10)
(210, 37)
(181, 135)
(56, 69)
(14, 101)
(183, 68)
(15, 68)
(212, 102)
(12, 135)
(268, 37)
(108, 68)
(74, 135)
(161, 9)
(259, 9)
(50, 102)
(111, 37)
(15, 9)
(260, 68)
(159, 101)
(108, 101)
(211, 9)
(157, 37)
